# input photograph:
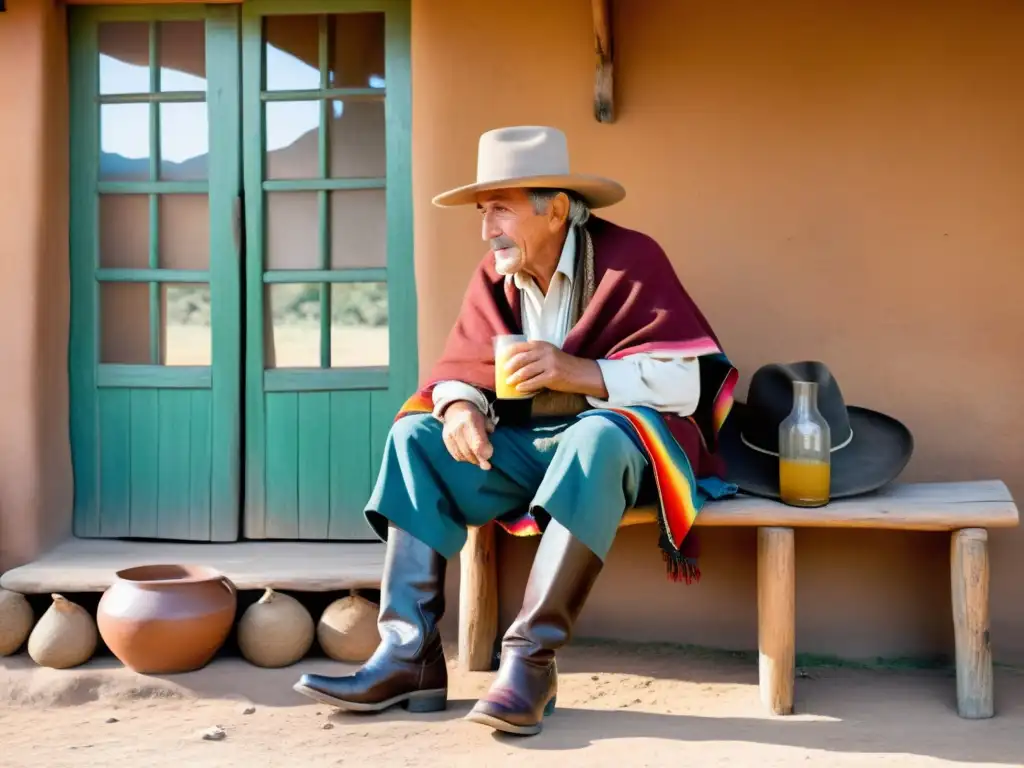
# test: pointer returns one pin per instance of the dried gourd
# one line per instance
(347, 630)
(64, 637)
(275, 631)
(16, 619)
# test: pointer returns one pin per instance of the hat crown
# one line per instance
(521, 152)
(770, 400)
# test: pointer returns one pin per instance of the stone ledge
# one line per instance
(89, 565)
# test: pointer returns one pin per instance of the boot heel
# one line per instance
(427, 701)
(549, 708)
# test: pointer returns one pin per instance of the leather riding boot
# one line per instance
(524, 691)
(408, 667)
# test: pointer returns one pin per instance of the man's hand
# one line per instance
(538, 365)
(466, 434)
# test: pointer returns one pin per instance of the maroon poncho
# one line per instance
(638, 306)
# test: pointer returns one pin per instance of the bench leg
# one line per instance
(969, 582)
(478, 600)
(776, 617)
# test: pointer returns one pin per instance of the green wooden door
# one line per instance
(154, 354)
(330, 298)
(175, 271)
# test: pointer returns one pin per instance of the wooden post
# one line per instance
(969, 575)
(478, 600)
(776, 617)
(604, 50)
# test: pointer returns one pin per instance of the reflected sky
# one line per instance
(185, 129)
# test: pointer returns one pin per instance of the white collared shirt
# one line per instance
(665, 383)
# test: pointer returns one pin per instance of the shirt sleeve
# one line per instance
(670, 385)
(447, 392)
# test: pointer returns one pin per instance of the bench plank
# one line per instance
(911, 507)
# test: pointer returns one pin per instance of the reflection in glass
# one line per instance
(356, 50)
(359, 325)
(124, 231)
(292, 52)
(359, 228)
(182, 46)
(293, 231)
(186, 333)
(124, 321)
(294, 319)
(184, 142)
(357, 139)
(292, 128)
(124, 57)
(184, 232)
(124, 142)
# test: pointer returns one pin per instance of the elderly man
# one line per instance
(625, 388)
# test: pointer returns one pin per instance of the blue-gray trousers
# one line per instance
(582, 472)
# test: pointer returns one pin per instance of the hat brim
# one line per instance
(598, 192)
(879, 451)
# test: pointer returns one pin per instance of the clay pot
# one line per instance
(275, 631)
(347, 630)
(64, 637)
(163, 619)
(16, 619)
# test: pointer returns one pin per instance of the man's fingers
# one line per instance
(526, 378)
(481, 447)
(521, 348)
(451, 441)
(517, 361)
(462, 441)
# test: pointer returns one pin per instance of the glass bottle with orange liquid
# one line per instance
(805, 444)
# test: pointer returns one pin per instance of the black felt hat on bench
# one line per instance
(869, 449)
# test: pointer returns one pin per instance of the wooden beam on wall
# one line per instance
(604, 101)
(152, 2)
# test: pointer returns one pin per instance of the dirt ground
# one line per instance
(618, 706)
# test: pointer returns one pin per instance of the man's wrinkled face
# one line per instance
(513, 229)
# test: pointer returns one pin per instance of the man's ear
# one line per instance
(558, 211)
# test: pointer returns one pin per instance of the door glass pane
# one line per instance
(356, 44)
(124, 231)
(124, 57)
(124, 142)
(182, 56)
(293, 230)
(185, 321)
(357, 139)
(292, 52)
(184, 232)
(294, 312)
(292, 128)
(359, 228)
(184, 141)
(359, 324)
(124, 320)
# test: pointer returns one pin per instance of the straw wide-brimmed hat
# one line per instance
(869, 449)
(530, 156)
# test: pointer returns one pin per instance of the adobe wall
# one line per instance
(832, 181)
(35, 460)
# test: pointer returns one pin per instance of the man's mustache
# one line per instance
(499, 243)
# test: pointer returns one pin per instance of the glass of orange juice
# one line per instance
(502, 389)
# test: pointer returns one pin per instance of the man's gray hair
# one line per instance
(579, 211)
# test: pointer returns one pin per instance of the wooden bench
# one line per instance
(966, 509)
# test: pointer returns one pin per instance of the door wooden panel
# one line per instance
(154, 358)
(331, 336)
